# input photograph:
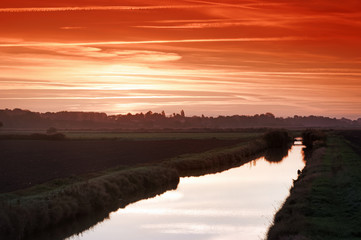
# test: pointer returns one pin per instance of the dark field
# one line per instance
(353, 138)
(25, 163)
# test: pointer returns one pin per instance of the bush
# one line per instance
(313, 137)
(278, 138)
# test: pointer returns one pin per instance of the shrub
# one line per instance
(278, 138)
(313, 137)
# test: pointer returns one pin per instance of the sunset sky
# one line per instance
(207, 57)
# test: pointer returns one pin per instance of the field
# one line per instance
(162, 135)
(29, 162)
(325, 200)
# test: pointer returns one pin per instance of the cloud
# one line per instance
(146, 56)
(204, 40)
(95, 8)
(268, 55)
(217, 24)
(71, 28)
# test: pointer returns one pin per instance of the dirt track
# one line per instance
(24, 163)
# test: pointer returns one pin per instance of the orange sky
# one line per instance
(206, 57)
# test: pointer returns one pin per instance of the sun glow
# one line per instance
(198, 55)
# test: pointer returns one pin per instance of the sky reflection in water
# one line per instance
(236, 204)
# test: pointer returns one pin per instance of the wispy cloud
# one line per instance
(219, 56)
(217, 24)
(205, 40)
(98, 8)
(71, 28)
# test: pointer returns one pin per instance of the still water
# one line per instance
(235, 204)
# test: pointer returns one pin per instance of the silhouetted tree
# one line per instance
(1, 124)
(182, 113)
(18, 118)
(148, 114)
(270, 115)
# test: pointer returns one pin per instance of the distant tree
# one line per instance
(51, 130)
(163, 113)
(182, 113)
(270, 115)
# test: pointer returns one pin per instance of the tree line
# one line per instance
(18, 118)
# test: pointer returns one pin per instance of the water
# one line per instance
(236, 204)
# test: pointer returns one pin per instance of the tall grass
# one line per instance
(20, 217)
(217, 161)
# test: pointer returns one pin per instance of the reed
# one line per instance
(22, 216)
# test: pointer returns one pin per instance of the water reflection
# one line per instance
(276, 155)
(235, 204)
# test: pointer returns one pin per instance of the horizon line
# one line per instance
(207, 116)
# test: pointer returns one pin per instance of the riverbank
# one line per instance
(325, 200)
(44, 206)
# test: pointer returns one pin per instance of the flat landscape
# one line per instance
(29, 162)
(180, 119)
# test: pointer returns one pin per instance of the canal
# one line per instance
(235, 204)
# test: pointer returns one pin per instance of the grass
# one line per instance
(215, 160)
(222, 159)
(222, 134)
(162, 136)
(22, 214)
(325, 202)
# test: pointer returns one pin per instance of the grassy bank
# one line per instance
(22, 214)
(220, 160)
(325, 202)
(45, 206)
(216, 160)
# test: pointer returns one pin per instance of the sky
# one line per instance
(209, 57)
